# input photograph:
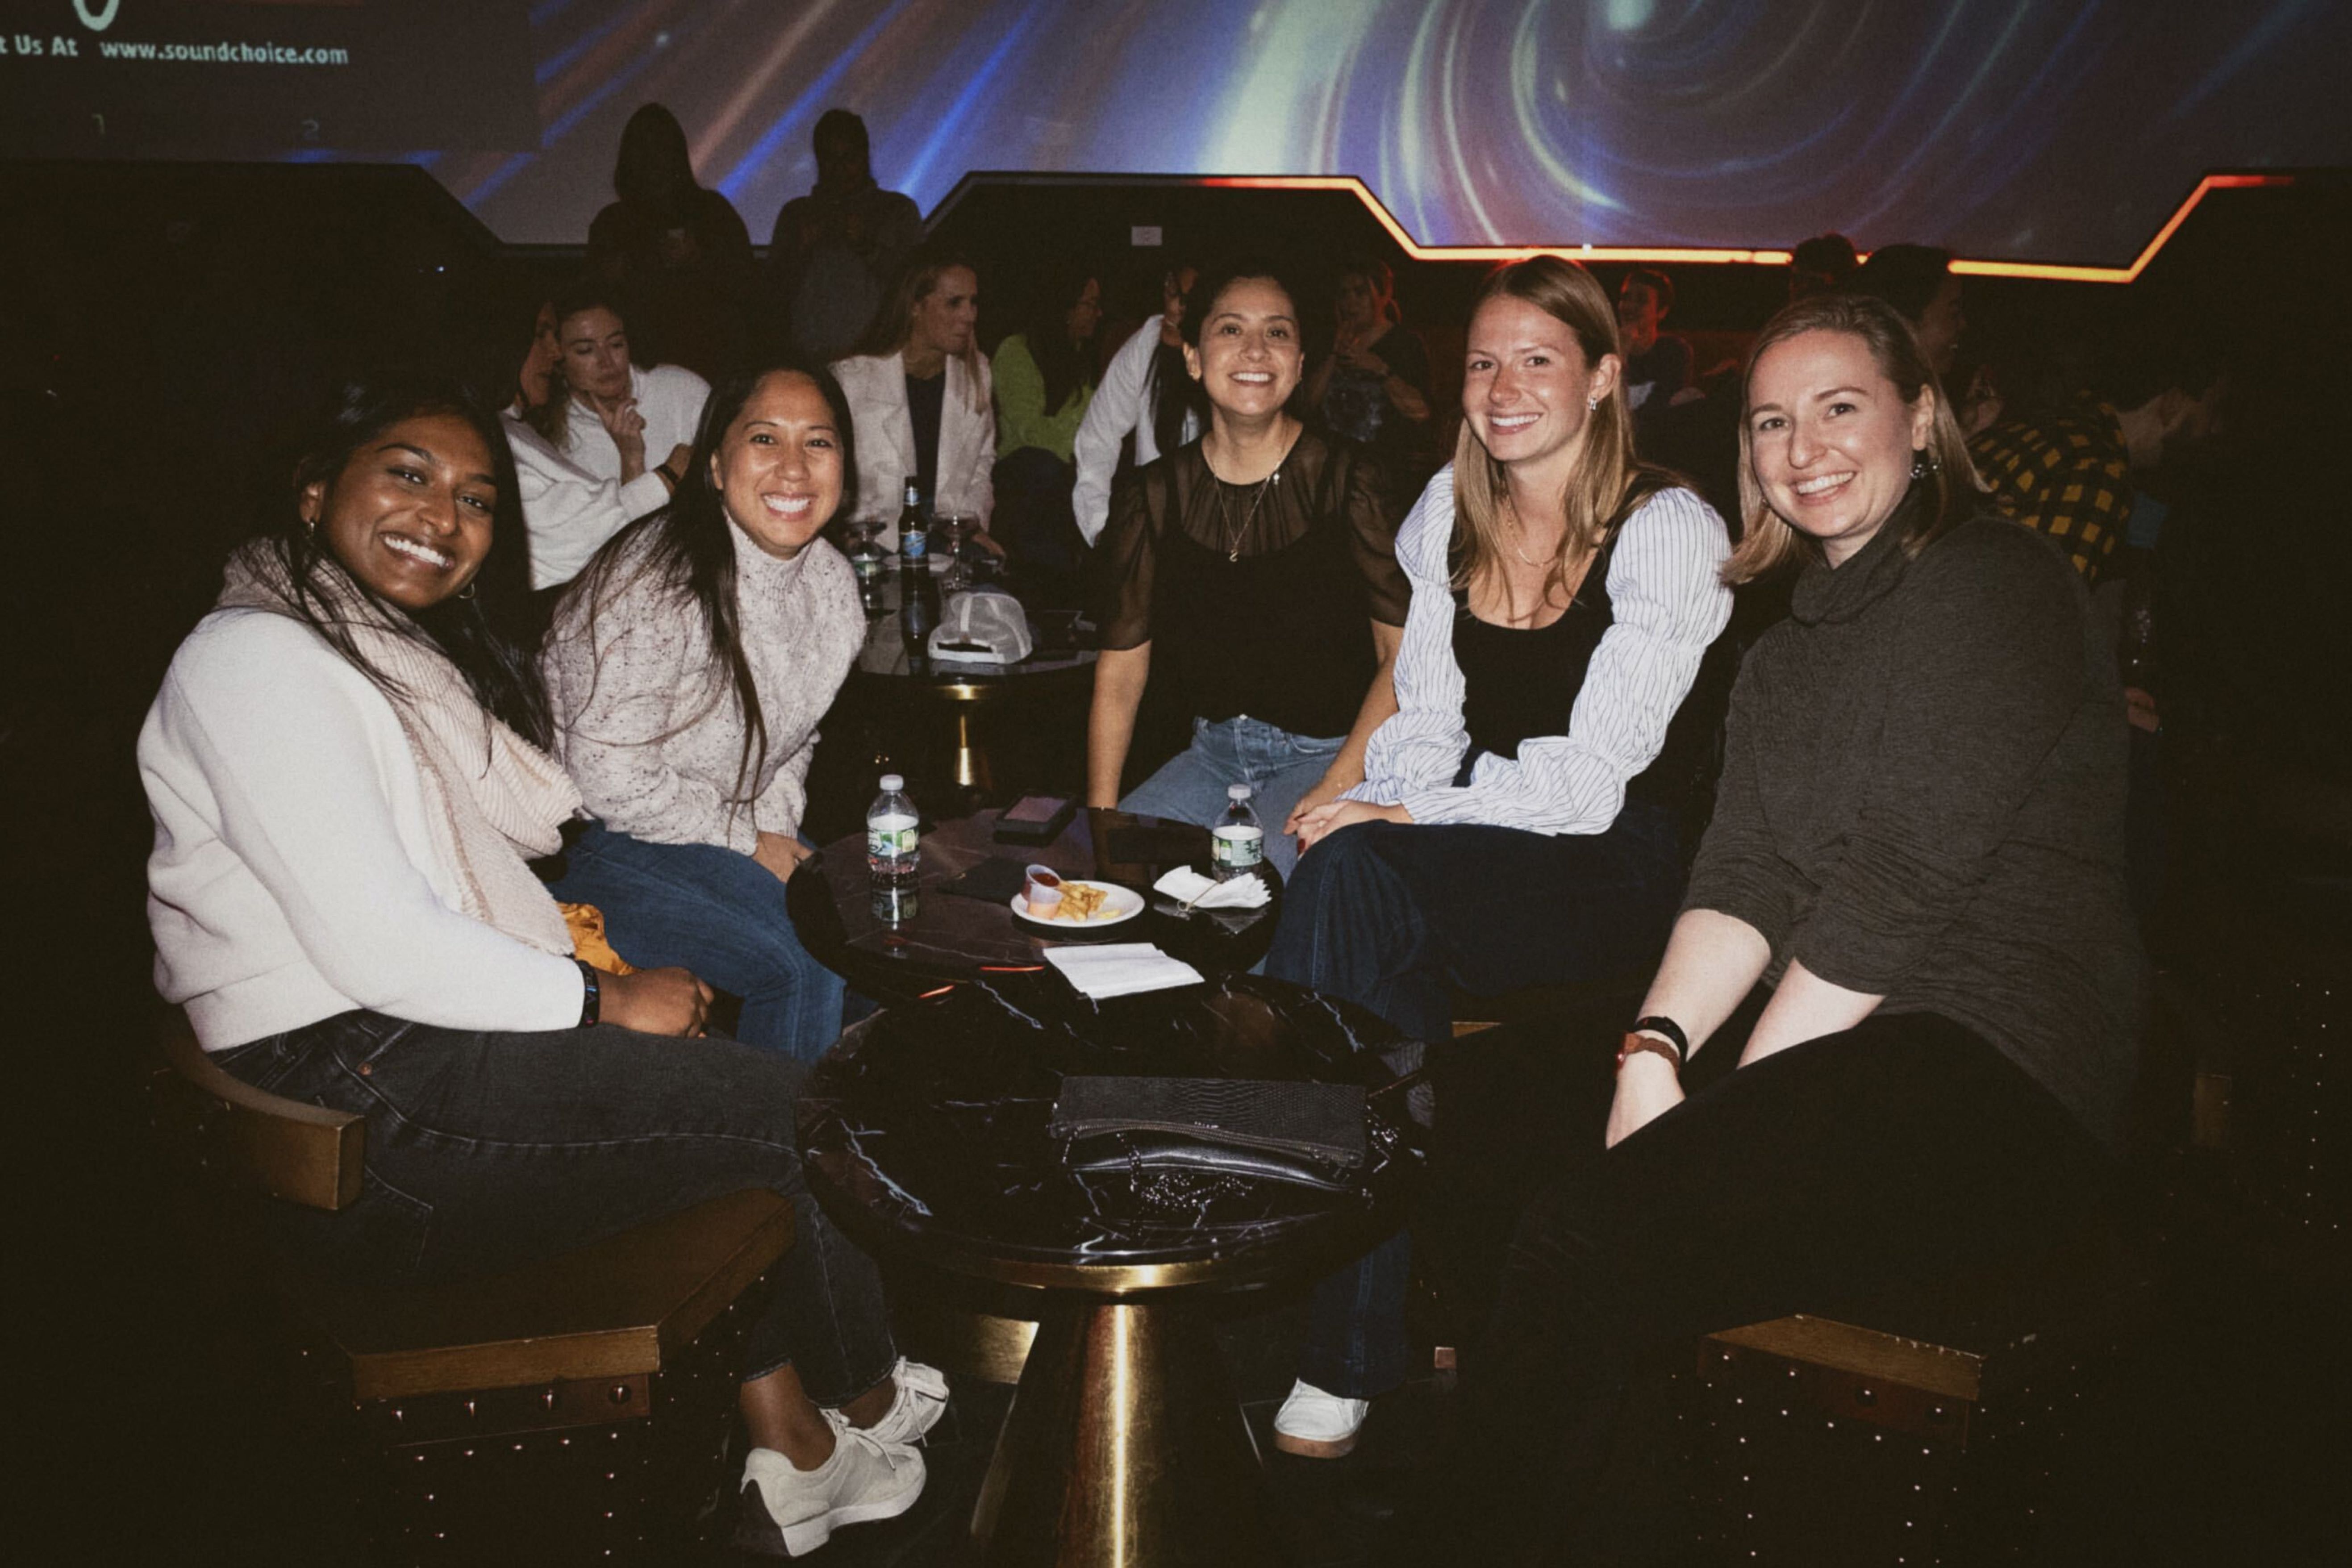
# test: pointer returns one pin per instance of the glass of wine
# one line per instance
(955, 530)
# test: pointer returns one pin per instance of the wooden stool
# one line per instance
(1824, 1443)
(573, 1410)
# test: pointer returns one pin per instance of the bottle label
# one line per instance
(1237, 848)
(890, 839)
(914, 543)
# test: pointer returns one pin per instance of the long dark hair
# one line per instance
(1065, 367)
(1169, 390)
(478, 631)
(689, 549)
(553, 418)
(654, 169)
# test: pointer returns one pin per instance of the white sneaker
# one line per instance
(799, 1509)
(921, 1399)
(1317, 1426)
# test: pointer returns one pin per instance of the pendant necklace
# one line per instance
(1234, 537)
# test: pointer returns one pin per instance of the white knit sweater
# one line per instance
(294, 876)
(648, 722)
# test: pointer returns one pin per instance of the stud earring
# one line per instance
(1592, 405)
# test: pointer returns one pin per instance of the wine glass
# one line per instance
(955, 530)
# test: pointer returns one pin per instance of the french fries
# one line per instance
(1081, 901)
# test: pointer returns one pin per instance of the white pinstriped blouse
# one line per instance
(1665, 583)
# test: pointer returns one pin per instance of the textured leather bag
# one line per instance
(1306, 1134)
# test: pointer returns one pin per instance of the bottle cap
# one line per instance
(1237, 791)
(892, 783)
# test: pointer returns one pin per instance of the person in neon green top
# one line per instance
(1029, 413)
(1045, 377)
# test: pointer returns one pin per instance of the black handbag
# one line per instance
(1304, 1134)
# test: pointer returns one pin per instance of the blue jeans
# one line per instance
(719, 913)
(1390, 915)
(1278, 765)
(490, 1150)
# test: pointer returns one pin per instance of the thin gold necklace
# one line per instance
(1225, 508)
(1235, 538)
(1518, 528)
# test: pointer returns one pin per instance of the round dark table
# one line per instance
(925, 1132)
(951, 697)
(951, 936)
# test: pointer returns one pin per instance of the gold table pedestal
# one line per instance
(1124, 1446)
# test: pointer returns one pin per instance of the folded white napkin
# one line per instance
(1119, 968)
(1187, 886)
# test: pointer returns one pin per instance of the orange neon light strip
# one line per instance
(2055, 271)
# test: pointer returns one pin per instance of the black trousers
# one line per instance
(1904, 1150)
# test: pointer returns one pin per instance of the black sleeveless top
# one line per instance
(1520, 683)
(1256, 604)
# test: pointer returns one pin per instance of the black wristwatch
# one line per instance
(1658, 1023)
(592, 996)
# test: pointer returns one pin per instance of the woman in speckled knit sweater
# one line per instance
(688, 668)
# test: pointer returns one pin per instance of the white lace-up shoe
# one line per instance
(790, 1512)
(921, 1399)
(1314, 1425)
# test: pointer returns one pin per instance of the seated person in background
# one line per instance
(1373, 386)
(919, 392)
(1916, 845)
(1044, 379)
(835, 251)
(1254, 570)
(677, 248)
(2065, 467)
(1145, 393)
(688, 668)
(345, 771)
(1657, 365)
(1918, 281)
(1517, 822)
(607, 442)
(536, 380)
(1819, 264)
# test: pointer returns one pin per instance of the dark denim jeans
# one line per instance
(487, 1151)
(719, 913)
(1390, 915)
(1824, 1179)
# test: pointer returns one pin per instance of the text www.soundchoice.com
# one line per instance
(223, 54)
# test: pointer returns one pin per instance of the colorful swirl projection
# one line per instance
(2022, 129)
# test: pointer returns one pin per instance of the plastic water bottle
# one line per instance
(1237, 843)
(893, 847)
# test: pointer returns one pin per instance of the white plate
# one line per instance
(1123, 904)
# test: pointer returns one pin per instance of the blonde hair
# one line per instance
(1607, 479)
(894, 324)
(1767, 539)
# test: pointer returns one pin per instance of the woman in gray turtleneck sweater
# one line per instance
(1917, 845)
(688, 667)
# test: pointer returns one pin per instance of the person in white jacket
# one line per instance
(345, 771)
(921, 399)
(1145, 380)
(608, 442)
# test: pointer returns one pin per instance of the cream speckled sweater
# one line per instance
(648, 724)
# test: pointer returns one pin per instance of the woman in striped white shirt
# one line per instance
(1517, 824)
